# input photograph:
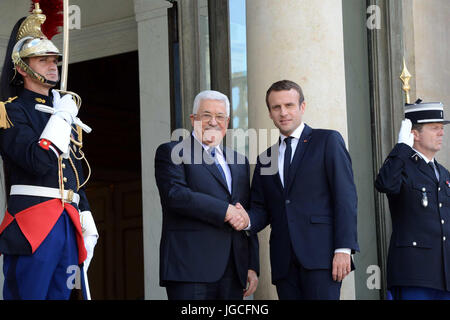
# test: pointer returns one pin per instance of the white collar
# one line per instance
(296, 134)
(423, 156)
(206, 147)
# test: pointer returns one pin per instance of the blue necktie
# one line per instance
(433, 167)
(219, 167)
(287, 160)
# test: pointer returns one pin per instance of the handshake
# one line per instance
(237, 217)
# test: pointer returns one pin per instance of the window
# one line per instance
(238, 50)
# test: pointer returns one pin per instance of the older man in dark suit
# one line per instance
(202, 254)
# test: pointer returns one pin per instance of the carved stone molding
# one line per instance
(101, 40)
(149, 9)
(386, 50)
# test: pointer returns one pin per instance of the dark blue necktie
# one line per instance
(433, 167)
(287, 160)
(219, 167)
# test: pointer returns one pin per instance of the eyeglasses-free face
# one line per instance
(285, 110)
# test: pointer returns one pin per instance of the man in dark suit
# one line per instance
(303, 187)
(202, 256)
(418, 190)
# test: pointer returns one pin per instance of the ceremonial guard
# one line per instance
(48, 233)
(418, 190)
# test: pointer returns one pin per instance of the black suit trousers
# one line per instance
(304, 284)
(227, 288)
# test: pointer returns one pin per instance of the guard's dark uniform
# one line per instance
(48, 233)
(29, 219)
(419, 252)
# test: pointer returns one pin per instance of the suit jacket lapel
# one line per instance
(427, 170)
(299, 153)
(438, 168)
(277, 179)
(212, 167)
(209, 163)
(237, 163)
(276, 176)
(233, 165)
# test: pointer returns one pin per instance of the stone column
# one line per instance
(431, 25)
(299, 40)
(189, 56)
(155, 126)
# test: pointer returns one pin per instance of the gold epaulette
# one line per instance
(5, 123)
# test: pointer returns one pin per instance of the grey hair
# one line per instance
(210, 95)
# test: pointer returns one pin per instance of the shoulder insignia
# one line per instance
(5, 122)
(415, 157)
(40, 100)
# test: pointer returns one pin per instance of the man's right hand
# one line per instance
(65, 107)
(237, 217)
(405, 135)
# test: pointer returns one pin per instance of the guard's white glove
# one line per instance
(89, 243)
(405, 135)
(90, 235)
(65, 107)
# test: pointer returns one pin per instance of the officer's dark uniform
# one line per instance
(28, 163)
(30, 220)
(419, 251)
(48, 232)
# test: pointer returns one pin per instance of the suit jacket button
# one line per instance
(440, 205)
(288, 201)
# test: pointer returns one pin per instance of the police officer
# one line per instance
(418, 190)
(48, 234)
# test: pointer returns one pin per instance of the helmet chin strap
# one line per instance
(18, 61)
(35, 75)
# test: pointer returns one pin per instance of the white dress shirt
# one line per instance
(221, 160)
(294, 142)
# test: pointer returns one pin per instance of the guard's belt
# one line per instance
(26, 190)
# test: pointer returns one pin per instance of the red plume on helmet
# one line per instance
(53, 10)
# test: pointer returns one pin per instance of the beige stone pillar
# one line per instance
(431, 51)
(154, 88)
(299, 40)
